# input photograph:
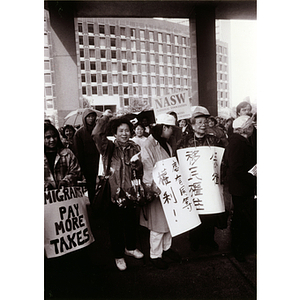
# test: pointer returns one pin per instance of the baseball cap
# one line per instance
(165, 119)
(200, 111)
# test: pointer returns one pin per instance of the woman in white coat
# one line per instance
(156, 148)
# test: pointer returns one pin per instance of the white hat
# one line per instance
(165, 119)
(241, 122)
(200, 111)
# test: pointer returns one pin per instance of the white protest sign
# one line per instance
(66, 222)
(177, 102)
(200, 168)
(179, 209)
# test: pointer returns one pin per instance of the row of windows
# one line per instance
(124, 44)
(129, 55)
(128, 67)
(222, 58)
(125, 79)
(222, 86)
(221, 49)
(222, 95)
(106, 90)
(221, 67)
(133, 33)
(221, 76)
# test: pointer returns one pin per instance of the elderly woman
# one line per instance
(61, 167)
(121, 211)
(239, 159)
(157, 148)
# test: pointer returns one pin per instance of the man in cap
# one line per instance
(157, 148)
(239, 159)
(202, 235)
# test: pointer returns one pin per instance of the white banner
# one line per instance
(177, 102)
(178, 207)
(200, 168)
(66, 222)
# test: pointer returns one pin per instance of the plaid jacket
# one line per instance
(66, 168)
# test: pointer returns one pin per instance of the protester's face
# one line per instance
(90, 119)
(50, 139)
(139, 131)
(245, 111)
(69, 133)
(145, 122)
(123, 133)
(182, 123)
(200, 125)
(249, 130)
(211, 123)
(167, 132)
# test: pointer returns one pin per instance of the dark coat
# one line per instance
(239, 158)
(86, 150)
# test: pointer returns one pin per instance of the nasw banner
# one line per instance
(66, 222)
(200, 168)
(178, 207)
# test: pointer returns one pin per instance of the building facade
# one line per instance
(123, 64)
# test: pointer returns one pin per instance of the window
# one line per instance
(47, 78)
(162, 80)
(102, 42)
(144, 69)
(104, 77)
(184, 81)
(103, 66)
(177, 81)
(183, 40)
(126, 90)
(135, 90)
(113, 54)
(93, 78)
(114, 66)
(177, 60)
(151, 46)
(123, 44)
(144, 80)
(151, 35)
(170, 80)
(184, 71)
(81, 53)
(82, 78)
(91, 41)
(92, 53)
(145, 91)
(160, 48)
(113, 42)
(115, 78)
(168, 38)
(184, 61)
(142, 34)
(153, 91)
(153, 79)
(170, 71)
(80, 40)
(105, 90)
(48, 91)
(152, 68)
(176, 39)
(115, 90)
(80, 27)
(101, 29)
(82, 67)
(45, 39)
(123, 54)
(183, 51)
(133, 45)
(161, 70)
(133, 55)
(143, 56)
(125, 78)
(160, 37)
(132, 32)
(46, 52)
(152, 58)
(91, 28)
(134, 79)
(94, 90)
(169, 48)
(93, 65)
(169, 59)
(84, 90)
(122, 30)
(126, 101)
(176, 49)
(161, 58)
(124, 67)
(134, 67)
(143, 46)
(103, 53)
(112, 29)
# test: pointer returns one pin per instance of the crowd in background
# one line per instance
(72, 155)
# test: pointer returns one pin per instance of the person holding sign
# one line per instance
(61, 168)
(157, 148)
(203, 234)
(121, 209)
(239, 159)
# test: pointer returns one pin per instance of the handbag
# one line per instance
(103, 193)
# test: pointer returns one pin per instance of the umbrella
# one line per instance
(74, 118)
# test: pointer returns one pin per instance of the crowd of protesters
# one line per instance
(72, 156)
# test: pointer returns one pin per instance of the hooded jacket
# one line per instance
(85, 148)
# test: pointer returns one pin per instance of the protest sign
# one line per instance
(179, 209)
(66, 222)
(177, 102)
(200, 168)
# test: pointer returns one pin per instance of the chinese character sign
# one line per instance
(66, 223)
(200, 168)
(178, 207)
